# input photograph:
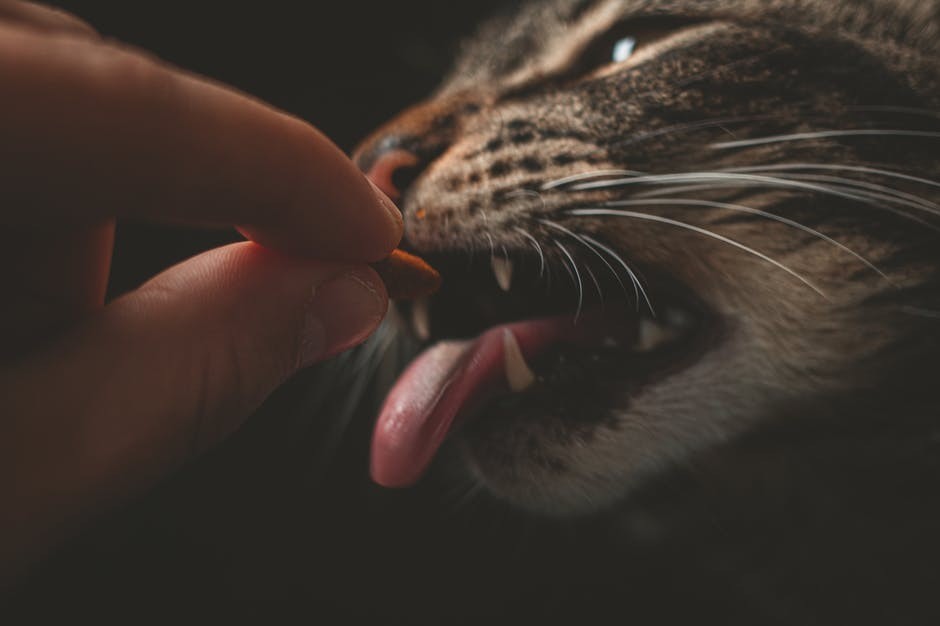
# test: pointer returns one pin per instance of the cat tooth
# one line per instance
(502, 269)
(651, 335)
(518, 373)
(421, 318)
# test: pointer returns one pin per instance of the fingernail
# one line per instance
(343, 312)
(389, 206)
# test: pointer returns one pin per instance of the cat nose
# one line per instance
(395, 155)
(390, 165)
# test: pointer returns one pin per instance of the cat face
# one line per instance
(730, 202)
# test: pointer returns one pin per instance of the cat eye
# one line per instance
(624, 40)
(623, 49)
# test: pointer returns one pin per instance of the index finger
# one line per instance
(90, 130)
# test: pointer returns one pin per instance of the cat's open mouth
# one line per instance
(516, 329)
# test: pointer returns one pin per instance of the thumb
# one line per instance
(159, 375)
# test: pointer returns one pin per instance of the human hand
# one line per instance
(101, 401)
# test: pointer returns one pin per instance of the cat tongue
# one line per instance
(443, 385)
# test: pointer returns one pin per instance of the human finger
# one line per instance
(162, 374)
(93, 131)
(44, 18)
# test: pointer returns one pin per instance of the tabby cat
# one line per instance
(691, 253)
(733, 203)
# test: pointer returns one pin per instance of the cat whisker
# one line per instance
(576, 277)
(538, 248)
(834, 191)
(681, 178)
(527, 193)
(592, 246)
(831, 167)
(658, 179)
(597, 284)
(690, 187)
(489, 237)
(634, 280)
(575, 178)
(862, 185)
(823, 134)
(752, 211)
(637, 284)
(702, 231)
(721, 122)
(724, 179)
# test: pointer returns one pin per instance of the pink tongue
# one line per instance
(451, 379)
(442, 385)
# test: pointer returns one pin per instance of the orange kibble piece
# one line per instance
(407, 277)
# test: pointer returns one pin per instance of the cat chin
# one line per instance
(527, 467)
(541, 493)
(564, 467)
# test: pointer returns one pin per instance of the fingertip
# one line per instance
(348, 219)
(344, 312)
(396, 221)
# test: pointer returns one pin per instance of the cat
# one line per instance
(762, 173)
(738, 201)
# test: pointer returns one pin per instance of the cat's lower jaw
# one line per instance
(575, 448)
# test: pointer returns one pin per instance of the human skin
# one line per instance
(103, 399)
